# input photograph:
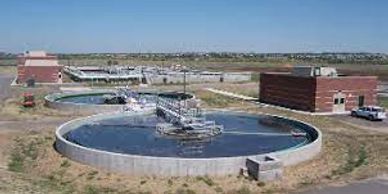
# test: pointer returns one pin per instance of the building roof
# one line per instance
(37, 58)
(41, 62)
(35, 54)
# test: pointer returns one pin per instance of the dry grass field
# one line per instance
(31, 165)
(8, 70)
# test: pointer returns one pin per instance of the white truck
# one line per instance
(370, 112)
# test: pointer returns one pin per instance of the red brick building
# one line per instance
(40, 67)
(316, 89)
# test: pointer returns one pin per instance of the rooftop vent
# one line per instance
(309, 71)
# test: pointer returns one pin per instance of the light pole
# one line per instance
(184, 80)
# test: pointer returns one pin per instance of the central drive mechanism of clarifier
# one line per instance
(183, 119)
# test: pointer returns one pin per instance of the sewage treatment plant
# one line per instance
(168, 134)
(165, 133)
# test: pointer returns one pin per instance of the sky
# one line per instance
(263, 26)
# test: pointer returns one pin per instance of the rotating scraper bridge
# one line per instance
(184, 121)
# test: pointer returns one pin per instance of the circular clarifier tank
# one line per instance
(93, 102)
(97, 98)
(129, 143)
(243, 135)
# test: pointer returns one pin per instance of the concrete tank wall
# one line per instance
(171, 166)
(77, 108)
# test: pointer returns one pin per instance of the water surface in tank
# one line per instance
(243, 135)
(98, 98)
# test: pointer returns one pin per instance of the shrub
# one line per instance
(16, 163)
(184, 191)
(142, 182)
(243, 190)
(65, 164)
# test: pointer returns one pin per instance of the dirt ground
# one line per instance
(381, 126)
(30, 164)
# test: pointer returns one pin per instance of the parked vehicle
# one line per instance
(369, 112)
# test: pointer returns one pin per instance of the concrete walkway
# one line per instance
(232, 95)
(371, 186)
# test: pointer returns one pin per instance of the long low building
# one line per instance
(317, 89)
(152, 75)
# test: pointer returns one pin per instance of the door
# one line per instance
(361, 100)
(339, 102)
(59, 77)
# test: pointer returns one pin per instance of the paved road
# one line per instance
(371, 186)
(5, 81)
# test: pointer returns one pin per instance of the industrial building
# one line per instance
(38, 67)
(151, 75)
(317, 89)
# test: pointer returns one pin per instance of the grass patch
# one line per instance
(260, 184)
(16, 163)
(218, 190)
(65, 164)
(30, 150)
(23, 152)
(206, 180)
(307, 181)
(354, 161)
(215, 100)
(51, 183)
(142, 182)
(170, 182)
(9, 70)
(255, 77)
(184, 191)
(91, 189)
(383, 101)
(91, 175)
(242, 190)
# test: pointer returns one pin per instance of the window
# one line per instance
(335, 100)
(378, 110)
(317, 71)
(342, 101)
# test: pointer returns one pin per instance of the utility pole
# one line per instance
(184, 81)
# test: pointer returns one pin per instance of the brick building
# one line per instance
(317, 89)
(40, 67)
